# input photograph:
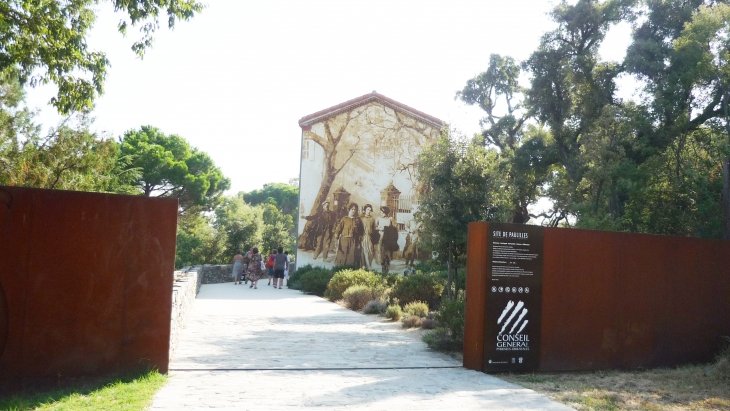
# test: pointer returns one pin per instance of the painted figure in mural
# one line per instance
(308, 239)
(349, 233)
(413, 228)
(322, 225)
(388, 233)
(369, 230)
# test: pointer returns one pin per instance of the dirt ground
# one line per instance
(682, 388)
(668, 389)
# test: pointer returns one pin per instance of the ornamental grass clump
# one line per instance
(356, 296)
(375, 307)
(344, 279)
(416, 308)
(440, 339)
(412, 321)
(720, 369)
(393, 312)
(429, 324)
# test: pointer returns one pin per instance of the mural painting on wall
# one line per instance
(359, 192)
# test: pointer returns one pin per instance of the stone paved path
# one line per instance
(271, 349)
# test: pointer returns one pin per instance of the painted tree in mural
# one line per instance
(344, 125)
(401, 140)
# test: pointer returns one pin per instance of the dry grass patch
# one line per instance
(678, 389)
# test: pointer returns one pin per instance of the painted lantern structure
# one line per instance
(359, 191)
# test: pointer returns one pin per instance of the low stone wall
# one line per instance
(184, 289)
(214, 274)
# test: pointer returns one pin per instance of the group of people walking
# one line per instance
(252, 266)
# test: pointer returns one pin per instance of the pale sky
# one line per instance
(235, 80)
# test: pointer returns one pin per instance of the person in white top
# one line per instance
(286, 270)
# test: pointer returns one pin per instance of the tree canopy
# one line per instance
(655, 164)
(554, 128)
(171, 168)
(283, 196)
(44, 41)
(69, 157)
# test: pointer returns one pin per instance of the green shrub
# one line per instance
(344, 279)
(418, 287)
(357, 296)
(296, 277)
(315, 281)
(380, 293)
(430, 266)
(391, 279)
(451, 316)
(375, 307)
(441, 339)
(393, 312)
(417, 308)
(412, 321)
(339, 268)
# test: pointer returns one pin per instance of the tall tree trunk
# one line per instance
(448, 282)
(456, 282)
(726, 198)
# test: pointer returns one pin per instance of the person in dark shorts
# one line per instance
(270, 265)
(280, 265)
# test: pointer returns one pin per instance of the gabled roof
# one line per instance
(307, 121)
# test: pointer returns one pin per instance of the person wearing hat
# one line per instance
(349, 233)
(386, 226)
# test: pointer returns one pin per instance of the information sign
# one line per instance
(514, 298)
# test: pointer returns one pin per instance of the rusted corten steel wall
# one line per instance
(86, 284)
(615, 300)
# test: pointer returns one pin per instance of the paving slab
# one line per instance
(271, 349)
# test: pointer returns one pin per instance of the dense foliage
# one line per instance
(284, 196)
(419, 287)
(235, 226)
(171, 168)
(449, 332)
(315, 281)
(45, 41)
(554, 127)
(68, 157)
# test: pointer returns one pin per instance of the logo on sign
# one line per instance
(513, 322)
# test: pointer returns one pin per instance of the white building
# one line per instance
(363, 151)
